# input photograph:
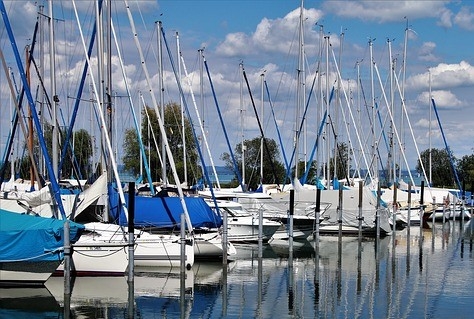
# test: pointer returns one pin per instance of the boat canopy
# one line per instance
(33, 238)
(165, 212)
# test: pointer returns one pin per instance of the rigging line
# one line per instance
(276, 125)
(130, 100)
(198, 119)
(389, 111)
(316, 142)
(413, 137)
(61, 132)
(102, 120)
(18, 100)
(150, 127)
(350, 111)
(261, 129)
(236, 168)
(51, 173)
(338, 149)
(448, 150)
(180, 88)
(300, 129)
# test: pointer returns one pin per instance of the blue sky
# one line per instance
(263, 35)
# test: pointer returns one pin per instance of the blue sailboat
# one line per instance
(31, 247)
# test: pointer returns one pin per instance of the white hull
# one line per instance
(162, 251)
(36, 275)
(246, 229)
(209, 246)
(93, 257)
(303, 226)
(450, 214)
(243, 226)
(104, 251)
(349, 230)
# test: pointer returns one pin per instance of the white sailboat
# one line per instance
(244, 226)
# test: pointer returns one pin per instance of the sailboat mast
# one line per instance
(429, 133)
(242, 136)
(162, 105)
(52, 57)
(391, 155)
(183, 128)
(328, 147)
(299, 92)
(108, 88)
(373, 165)
(30, 122)
(262, 76)
(41, 97)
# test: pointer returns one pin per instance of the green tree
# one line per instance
(342, 159)
(312, 172)
(131, 157)
(253, 162)
(465, 168)
(151, 138)
(76, 163)
(442, 174)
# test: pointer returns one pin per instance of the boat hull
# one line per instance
(26, 274)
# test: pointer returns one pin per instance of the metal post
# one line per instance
(340, 210)
(183, 244)
(260, 233)
(360, 208)
(224, 237)
(377, 217)
(433, 212)
(131, 231)
(67, 259)
(409, 206)
(290, 234)
(394, 208)
(318, 215)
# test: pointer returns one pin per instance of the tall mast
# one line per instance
(262, 76)
(299, 92)
(108, 87)
(373, 164)
(391, 155)
(242, 136)
(30, 122)
(162, 105)
(41, 163)
(183, 128)
(429, 133)
(52, 57)
(328, 147)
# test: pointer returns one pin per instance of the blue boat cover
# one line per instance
(165, 212)
(33, 238)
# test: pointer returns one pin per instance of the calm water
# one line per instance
(400, 276)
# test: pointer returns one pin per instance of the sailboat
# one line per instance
(31, 247)
(244, 226)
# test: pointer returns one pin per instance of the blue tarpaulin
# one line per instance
(165, 212)
(27, 237)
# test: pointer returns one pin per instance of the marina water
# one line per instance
(404, 275)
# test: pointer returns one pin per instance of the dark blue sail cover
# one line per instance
(165, 212)
(33, 238)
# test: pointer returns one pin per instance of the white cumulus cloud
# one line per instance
(273, 35)
(444, 76)
(384, 11)
(464, 19)
(443, 99)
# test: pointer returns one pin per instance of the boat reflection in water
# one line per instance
(409, 274)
